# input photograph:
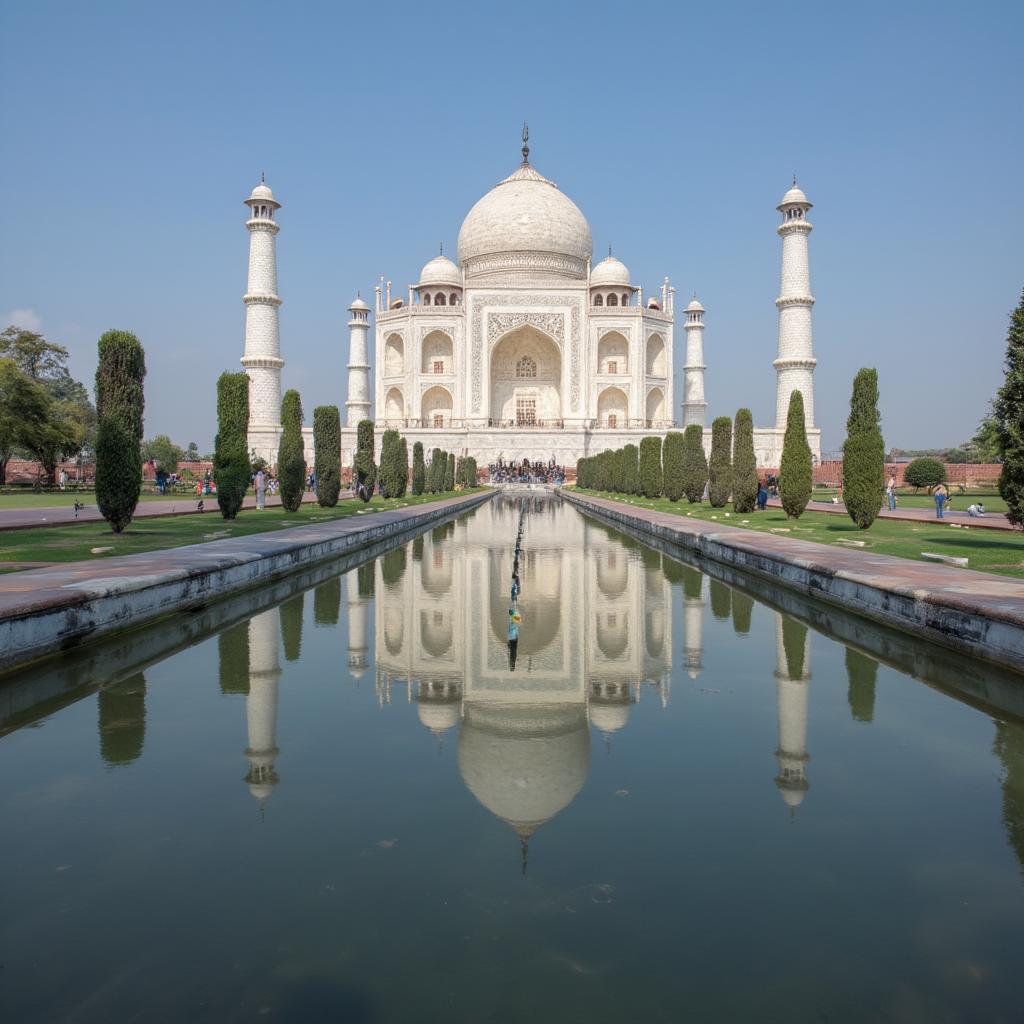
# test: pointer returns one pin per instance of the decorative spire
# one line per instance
(609, 249)
(263, 177)
(794, 179)
(526, 144)
(441, 249)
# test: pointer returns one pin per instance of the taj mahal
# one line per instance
(524, 347)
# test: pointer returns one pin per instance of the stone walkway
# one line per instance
(182, 505)
(48, 609)
(976, 612)
(989, 521)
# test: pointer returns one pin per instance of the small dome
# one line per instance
(610, 271)
(694, 306)
(439, 718)
(440, 270)
(359, 304)
(609, 717)
(794, 197)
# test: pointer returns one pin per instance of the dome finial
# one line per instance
(440, 249)
(263, 177)
(794, 179)
(609, 248)
(526, 144)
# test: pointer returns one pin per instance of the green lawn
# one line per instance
(908, 499)
(76, 543)
(51, 499)
(995, 551)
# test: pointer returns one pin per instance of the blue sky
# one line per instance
(133, 131)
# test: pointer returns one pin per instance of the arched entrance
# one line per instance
(437, 407)
(394, 407)
(612, 408)
(655, 407)
(526, 375)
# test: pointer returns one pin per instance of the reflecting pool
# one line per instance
(389, 792)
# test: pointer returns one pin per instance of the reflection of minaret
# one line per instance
(1009, 748)
(861, 673)
(122, 710)
(261, 704)
(793, 673)
(357, 657)
(693, 619)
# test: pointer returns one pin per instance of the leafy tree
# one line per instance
(720, 464)
(394, 464)
(402, 466)
(650, 467)
(291, 455)
(232, 470)
(864, 452)
(985, 443)
(449, 476)
(672, 463)
(924, 473)
(695, 463)
(163, 453)
(192, 452)
(795, 471)
(120, 404)
(365, 469)
(436, 470)
(24, 411)
(744, 463)
(631, 469)
(419, 470)
(327, 454)
(1009, 414)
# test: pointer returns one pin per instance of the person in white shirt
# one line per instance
(976, 511)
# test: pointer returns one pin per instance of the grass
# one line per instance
(65, 499)
(76, 543)
(908, 499)
(994, 551)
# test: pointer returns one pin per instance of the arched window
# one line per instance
(613, 299)
(598, 300)
(426, 298)
(453, 299)
(439, 299)
(526, 367)
(625, 299)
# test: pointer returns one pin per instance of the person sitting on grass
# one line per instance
(976, 511)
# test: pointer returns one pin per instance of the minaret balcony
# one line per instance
(261, 300)
(794, 300)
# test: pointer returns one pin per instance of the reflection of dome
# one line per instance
(610, 271)
(613, 634)
(439, 717)
(435, 632)
(524, 764)
(526, 213)
(440, 270)
(540, 605)
(609, 717)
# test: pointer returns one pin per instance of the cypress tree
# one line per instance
(795, 471)
(744, 463)
(864, 452)
(394, 466)
(419, 471)
(402, 467)
(327, 454)
(232, 470)
(630, 469)
(449, 476)
(672, 464)
(581, 472)
(438, 468)
(364, 468)
(695, 463)
(650, 467)
(720, 465)
(120, 404)
(291, 457)
(1008, 410)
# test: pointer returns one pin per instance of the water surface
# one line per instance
(345, 798)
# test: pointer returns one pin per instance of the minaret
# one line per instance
(796, 362)
(792, 674)
(356, 626)
(262, 359)
(694, 406)
(261, 703)
(358, 404)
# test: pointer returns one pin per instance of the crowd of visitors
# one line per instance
(526, 472)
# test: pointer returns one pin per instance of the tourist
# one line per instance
(261, 490)
(890, 493)
(940, 494)
(976, 511)
(63, 479)
(514, 619)
(762, 496)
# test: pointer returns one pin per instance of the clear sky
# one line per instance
(132, 132)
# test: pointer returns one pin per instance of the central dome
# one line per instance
(525, 224)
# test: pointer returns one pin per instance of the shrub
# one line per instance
(394, 468)
(630, 469)
(449, 476)
(744, 463)
(672, 464)
(438, 468)
(327, 454)
(795, 471)
(232, 468)
(695, 463)
(419, 471)
(924, 473)
(364, 468)
(291, 458)
(1008, 411)
(864, 452)
(581, 472)
(650, 467)
(720, 464)
(120, 403)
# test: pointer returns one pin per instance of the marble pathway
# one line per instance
(989, 521)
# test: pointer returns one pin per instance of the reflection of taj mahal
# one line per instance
(524, 346)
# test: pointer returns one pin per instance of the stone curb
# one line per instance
(48, 610)
(977, 613)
